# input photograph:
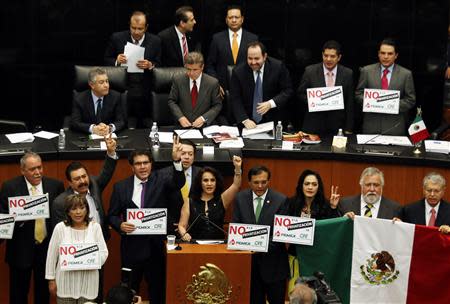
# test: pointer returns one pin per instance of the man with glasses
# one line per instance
(371, 202)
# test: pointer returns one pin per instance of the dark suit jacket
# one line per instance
(401, 80)
(220, 55)
(208, 103)
(273, 265)
(388, 209)
(20, 249)
(96, 186)
(83, 111)
(152, 45)
(138, 248)
(172, 55)
(329, 122)
(276, 84)
(414, 213)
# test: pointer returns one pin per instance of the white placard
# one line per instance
(381, 101)
(325, 99)
(148, 220)
(7, 226)
(293, 230)
(287, 145)
(29, 207)
(84, 256)
(248, 237)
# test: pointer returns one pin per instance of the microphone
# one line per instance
(206, 218)
(200, 216)
(439, 130)
(363, 150)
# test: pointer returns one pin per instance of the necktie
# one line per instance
(234, 47)
(185, 47)
(144, 188)
(98, 111)
(368, 212)
(257, 97)
(384, 80)
(136, 42)
(185, 189)
(194, 94)
(432, 220)
(330, 80)
(39, 224)
(258, 208)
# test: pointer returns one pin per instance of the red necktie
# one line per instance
(185, 47)
(384, 80)
(432, 220)
(144, 187)
(194, 94)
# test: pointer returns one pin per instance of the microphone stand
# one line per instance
(206, 218)
(363, 150)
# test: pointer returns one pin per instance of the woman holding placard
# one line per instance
(75, 282)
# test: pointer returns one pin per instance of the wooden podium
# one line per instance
(183, 264)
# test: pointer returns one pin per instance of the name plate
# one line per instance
(84, 256)
(148, 220)
(29, 207)
(325, 99)
(248, 237)
(381, 101)
(7, 226)
(293, 230)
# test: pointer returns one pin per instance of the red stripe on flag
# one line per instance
(429, 274)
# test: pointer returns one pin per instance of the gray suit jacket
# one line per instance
(401, 80)
(208, 104)
(388, 208)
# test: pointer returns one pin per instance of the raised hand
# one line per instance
(335, 196)
(176, 148)
(237, 162)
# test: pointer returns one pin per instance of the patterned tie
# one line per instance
(144, 188)
(330, 80)
(194, 94)
(98, 112)
(234, 47)
(368, 212)
(432, 220)
(257, 97)
(39, 224)
(258, 208)
(185, 190)
(136, 42)
(384, 80)
(185, 47)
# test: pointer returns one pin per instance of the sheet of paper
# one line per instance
(95, 136)
(437, 146)
(134, 53)
(24, 137)
(209, 242)
(233, 143)
(261, 128)
(165, 137)
(233, 131)
(189, 134)
(374, 139)
(45, 134)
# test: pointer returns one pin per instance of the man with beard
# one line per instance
(371, 202)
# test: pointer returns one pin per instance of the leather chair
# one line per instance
(12, 126)
(117, 77)
(227, 108)
(161, 85)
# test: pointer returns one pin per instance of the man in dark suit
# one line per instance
(229, 47)
(176, 40)
(138, 96)
(98, 110)
(371, 202)
(259, 87)
(390, 76)
(258, 205)
(144, 254)
(194, 98)
(328, 74)
(432, 210)
(26, 252)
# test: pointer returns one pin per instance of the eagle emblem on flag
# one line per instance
(379, 269)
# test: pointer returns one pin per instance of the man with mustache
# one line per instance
(371, 202)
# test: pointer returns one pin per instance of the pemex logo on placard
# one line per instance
(379, 269)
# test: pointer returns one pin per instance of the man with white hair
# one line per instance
(371, 202)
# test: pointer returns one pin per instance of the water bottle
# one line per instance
(340, 133)
(279, 131)
(153, 131)
(61, 140)
(155, 143)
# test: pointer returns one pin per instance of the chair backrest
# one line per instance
(12, 126)
(227, 108)
(161, 85)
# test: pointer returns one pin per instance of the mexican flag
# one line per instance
(418, 131)
(377, 261)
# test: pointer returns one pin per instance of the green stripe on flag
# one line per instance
(331, 254)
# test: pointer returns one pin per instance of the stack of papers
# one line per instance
(46, 134)
(262, 131)
(437, 146)
(374, 139)
(25, 137)
(95, 136)
(232, 144)
(211, 130)
(189, 134)
(134, 53)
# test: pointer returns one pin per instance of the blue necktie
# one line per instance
(98, 112)
(257, 97)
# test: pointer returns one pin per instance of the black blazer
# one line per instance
(96, 186)
(20, 249)
(273, 265)
(388, 208)
(83, 111)
(220, 55)
(172, 55)
(276, 84)
(137, 248)
(415, 213)
(329, 122)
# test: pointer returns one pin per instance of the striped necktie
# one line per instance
(368, 212)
